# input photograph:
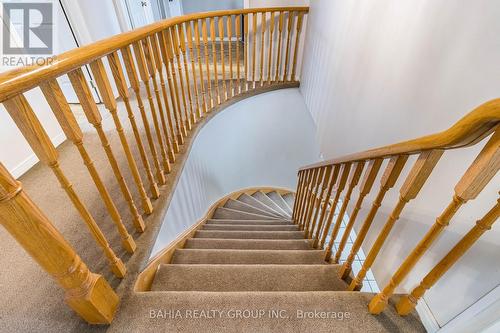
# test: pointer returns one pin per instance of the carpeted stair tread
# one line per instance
(248, 199)
(135, 314)
(270, 203)
(243, 227)
(250, 222)
(276, 197)
(222, 278)
(249, 234)
(248, 257)
(244, 207)
(250, 244)
(289, 199)
(232, 214)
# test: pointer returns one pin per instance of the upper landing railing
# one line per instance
(178, 70)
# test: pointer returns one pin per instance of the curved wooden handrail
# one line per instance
(22, 79)
(469, 130)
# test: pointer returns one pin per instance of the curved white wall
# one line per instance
(379, 72)
(260, 141)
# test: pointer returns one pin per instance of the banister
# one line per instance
(22, 79)
(469, 130)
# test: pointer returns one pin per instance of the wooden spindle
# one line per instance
(177, 54)
(408, 302)
(254, 47)
(60, 107)
(270, 51)
(145, 78)
(168, 59)
(338, 191)
(262, 46)
(204, 33)
(220, 22)
(87, 293)
(365, 188)
(134, 82)
(302, 199)
(484, 167)
(297, 40)
(389, 178)
(191, 54)
(182, 40)
(213, 40)
(229, 24)
(237, 22)
(320, 205)
(170, 133)
(288, 38)
(315, 201)
(307, 198)
(246, 48)
(280, 38)
(152, 69)
(32, 130)
(116, 69)
(89, 107)
(414, 181)
(200, 66)
(353, 182)
(298, 194)
(331, 184)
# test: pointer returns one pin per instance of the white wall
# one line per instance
(378, 72)
(260, 141)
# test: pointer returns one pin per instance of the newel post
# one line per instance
(86, 293)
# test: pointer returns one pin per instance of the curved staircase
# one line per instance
(248, 267)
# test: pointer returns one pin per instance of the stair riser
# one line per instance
(248, 257)
(250, 227)
(242, 244)
(250, 222)
(249, 234)
(229, 214)
(241, 206)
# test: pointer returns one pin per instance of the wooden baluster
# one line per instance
(67, 120)
(331, 184)
(89, 107)
(278, 56)
(297, 39)
(365, 188)
(270, 51)
(408, 302)
(153, 72)
(168, 59)
(314, 201)
(389, 178)
(237, 22)
(288, 38)
(191, 54)
(254, 47)
(213, 40)
(177, 53)
(484, 167)
(145, 77)
(301, 203)
(170, 134)
(320, 204)
(32, 130)
(116, 69)
(87, 293)
(338, 191)
(200, 66)
(220, 22)
(307, 199)
(182, 39)
(246, 48)
(207, 62)
(262, 46)
(134, 82)
(229, 24)
(409, 191)
(353, 182)
(298, 193)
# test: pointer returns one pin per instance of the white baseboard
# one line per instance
(31, 160)
(428, 320)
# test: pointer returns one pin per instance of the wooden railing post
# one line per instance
(88, 294)
(484, 167)
(326, 204)
(313, 201)
(321, 204)
(297, 40)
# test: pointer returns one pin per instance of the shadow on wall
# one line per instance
(260, 141)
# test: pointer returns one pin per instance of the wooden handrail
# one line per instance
(22, 79)
(469, 130)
